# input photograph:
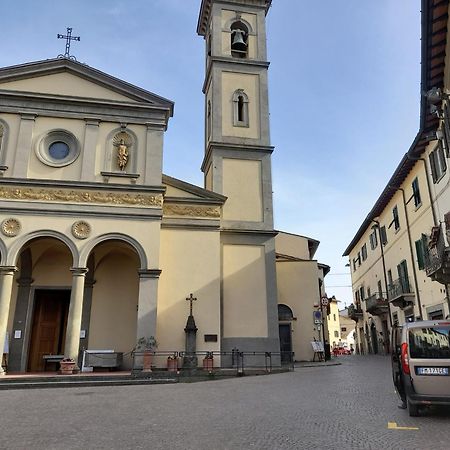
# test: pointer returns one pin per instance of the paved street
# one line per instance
(338, 407)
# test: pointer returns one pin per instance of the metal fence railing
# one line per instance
(210, 361)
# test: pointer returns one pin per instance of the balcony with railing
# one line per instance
(437, 262)
(355, 312)
(401, 293)
(377, 304)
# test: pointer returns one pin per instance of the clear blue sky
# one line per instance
(344, 94)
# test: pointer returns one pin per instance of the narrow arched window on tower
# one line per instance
(2, 132)
(239, 40)
(209, 119)
(240, 109)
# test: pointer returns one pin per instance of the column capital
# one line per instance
(5, 270)
(149, 273)
(79, 271)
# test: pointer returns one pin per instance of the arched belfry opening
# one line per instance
(239, 39)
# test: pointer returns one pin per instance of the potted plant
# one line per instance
(67, 366)
(147, 346)
(172, 363)
(208, 361)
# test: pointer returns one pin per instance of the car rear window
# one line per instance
(430, 342)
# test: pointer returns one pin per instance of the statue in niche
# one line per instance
(122, 155)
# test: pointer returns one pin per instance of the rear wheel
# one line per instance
(413, 410)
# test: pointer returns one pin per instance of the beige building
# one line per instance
(347, 329)
(389, 255)
(300, 281)
(334, 324)
(99, 248)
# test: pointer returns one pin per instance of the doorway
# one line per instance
(373, 333)
(48, 332)
(285, 342)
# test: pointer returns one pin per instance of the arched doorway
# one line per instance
(40, 302)
(285, 317)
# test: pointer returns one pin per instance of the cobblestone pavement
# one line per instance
(337, 407)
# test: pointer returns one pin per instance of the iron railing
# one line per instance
(377, 303)
(399, 287)
(354, 312)
(210, 361)
(435, 256)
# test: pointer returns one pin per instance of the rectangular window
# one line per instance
(422, 251)
(364, 252)
(343, 329)
(402, 270)
(359, 258)
(336, 334)
(380, 289)
(362, 293)
(416, 193)
(383, 235)
(368, 292)
(354, 264)
(373, 240)
(357, 296)
(437, 163)
(395, 220)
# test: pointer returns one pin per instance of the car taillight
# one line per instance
(405, 361)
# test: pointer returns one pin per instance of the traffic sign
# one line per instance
(317, 316)
(324, 300)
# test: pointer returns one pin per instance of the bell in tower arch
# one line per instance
(238, 41)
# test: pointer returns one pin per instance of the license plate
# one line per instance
(432, 371)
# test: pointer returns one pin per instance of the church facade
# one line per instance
(98, 247)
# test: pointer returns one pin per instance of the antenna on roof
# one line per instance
(68, 38)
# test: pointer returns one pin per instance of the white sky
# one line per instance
(344, 86)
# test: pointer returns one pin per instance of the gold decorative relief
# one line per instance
(72, 196)
(81, 229)
(11, 227)
(193, 211)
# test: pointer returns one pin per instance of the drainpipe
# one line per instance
(416, 285)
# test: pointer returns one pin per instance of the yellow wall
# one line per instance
(334, 324)
(181, 251)
(244, 291)
(243, 186)
(292, 245)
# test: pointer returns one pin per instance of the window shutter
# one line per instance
(420, 255)
(433, 166)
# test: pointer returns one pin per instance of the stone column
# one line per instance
(6, 281)
(72, 345)
(147, 304)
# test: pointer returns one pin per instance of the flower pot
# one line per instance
(172, 365)
(147, 361)
(208, 364)
(67, 367)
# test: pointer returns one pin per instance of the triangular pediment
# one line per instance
(67, 78)
(178, 189)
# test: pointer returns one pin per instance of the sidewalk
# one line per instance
(331, 362)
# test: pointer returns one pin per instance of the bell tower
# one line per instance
(237, 164)
(237, 138)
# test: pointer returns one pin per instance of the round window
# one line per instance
(58, 148)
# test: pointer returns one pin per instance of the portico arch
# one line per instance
(19, 244)
(114, 237)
